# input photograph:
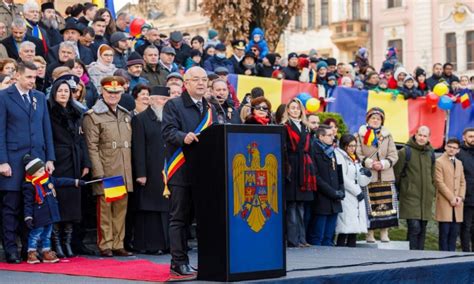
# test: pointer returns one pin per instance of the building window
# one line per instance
(394, 3)
(355, 9)
(324, 12)
(398, 44)
(191, 5)
(298, 22)
(451, 55)
(311, 14)
(470, 50)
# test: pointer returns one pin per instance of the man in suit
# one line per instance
(72, 33)
(181, 116)
(32, 15)
(12, 43)
(24, 113)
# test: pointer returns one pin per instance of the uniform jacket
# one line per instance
(7, 15)
(353, 219)
(450, 182)
(108, 138)
(181, 116)
(466, 156)
(48, 211)
(148, 153)
(12, 48)
(417, 189)
(24, 131)
(387, 154)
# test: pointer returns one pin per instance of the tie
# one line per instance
(199, 105)
(26, 100)
(454, 163)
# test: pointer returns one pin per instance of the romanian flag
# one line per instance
(109, 4)
(114, 188)
(276, 91)
(459, 119)
(402, 118)
(465, 101)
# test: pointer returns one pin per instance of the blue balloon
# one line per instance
(304, 97)
(445, 103)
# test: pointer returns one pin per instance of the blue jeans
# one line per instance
(448, 233)
(322, 229)
(42, 234)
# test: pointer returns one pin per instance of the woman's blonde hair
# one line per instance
(303, 118)
(82, 96)
(39, 59)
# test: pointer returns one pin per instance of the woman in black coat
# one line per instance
(72, 161)
(301, 179)
(151, 215)
(327, 200)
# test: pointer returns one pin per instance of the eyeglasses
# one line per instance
(196, 80)
(351, 145)
(452, 147)
(262, 108)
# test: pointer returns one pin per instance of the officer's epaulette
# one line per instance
(90, 111)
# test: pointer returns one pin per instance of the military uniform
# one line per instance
(108, 136)
(7, 14)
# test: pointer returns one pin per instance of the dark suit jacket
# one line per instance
(84, 52)
(181, 116)
(24, 130)
(12, 49)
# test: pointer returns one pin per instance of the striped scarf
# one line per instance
(37, 182)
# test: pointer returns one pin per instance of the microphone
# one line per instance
(214, 101)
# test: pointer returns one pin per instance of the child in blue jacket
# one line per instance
(258, 37)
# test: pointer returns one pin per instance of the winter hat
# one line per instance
(375, 110)
(46, 6)
(212, 33)
(271, 58)
(331, 77)
(174, 75)
(321, 64)
(419, 71)
(399, 71)
(303, 62)
(407, 78)
(176, 36)
(313, 52)
(220, 47)
(249, 54)
(331, 61)
(146, 26)
(313, 60)
(292, 55)
(135, 59)
(32, 164)
(362, 52)
(117, 36)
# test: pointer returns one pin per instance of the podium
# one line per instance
(237, 187)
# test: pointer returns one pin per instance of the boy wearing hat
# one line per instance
(41, 207)
(409, 90)
(135, 65)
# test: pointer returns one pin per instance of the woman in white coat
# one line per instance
(353, 219)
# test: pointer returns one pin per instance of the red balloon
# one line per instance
(432, 99)
(136, 26)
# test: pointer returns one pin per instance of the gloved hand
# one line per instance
(340, 194)
(360, 197)
(29, 223)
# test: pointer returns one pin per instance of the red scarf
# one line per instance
(307, 178)
(262, 120)
(422, 86)
(37, 182)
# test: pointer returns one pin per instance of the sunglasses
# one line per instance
(262, 108)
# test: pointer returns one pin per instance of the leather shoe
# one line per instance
(106, 253)
(122, 252)
(13, 258)
(182, 270)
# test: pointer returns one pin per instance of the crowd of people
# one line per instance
(81, 100)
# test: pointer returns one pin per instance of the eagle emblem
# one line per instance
(255, 187)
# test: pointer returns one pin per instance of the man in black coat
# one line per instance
(152, 209)
(50, 24)
(238, 55)
(182, 49)
(226, 113)
(72, 33)
(18, 36)
(437, 76)
(291, 71)
(181, 116)
(466, 155)
(327, 200)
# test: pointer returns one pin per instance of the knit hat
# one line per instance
(212, 33)
(331, 61)
(292, 55)
(331, 77)
(419, 71)
(321, 64)
(249, 54)
(146, 26)
(407, 78)
(271, 58)
(32, 164)
(135, 59)
(375, 110)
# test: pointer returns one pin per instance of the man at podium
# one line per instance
(184, 118)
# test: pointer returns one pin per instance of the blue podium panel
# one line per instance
(255, 202)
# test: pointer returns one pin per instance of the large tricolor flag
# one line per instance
(109, 4)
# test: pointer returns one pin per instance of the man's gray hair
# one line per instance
(27, 44)
(67, 44)
(18, 23)
(31, 5)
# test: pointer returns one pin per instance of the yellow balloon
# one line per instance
(312, 105)
(441, 89)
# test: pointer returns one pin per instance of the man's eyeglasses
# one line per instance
(196, 80)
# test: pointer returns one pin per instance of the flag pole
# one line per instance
(93, 181)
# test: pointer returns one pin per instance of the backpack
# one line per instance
(403, 173)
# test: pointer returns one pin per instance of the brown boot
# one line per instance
(370, 237)
(33, 257)
(49, 256)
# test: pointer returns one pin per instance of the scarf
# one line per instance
(300, 142)
(371, 137)
(37, 182)
(36, 32)
(262, 120)
(353, 157)
(85, 79)
(327, 149)
(313, 75)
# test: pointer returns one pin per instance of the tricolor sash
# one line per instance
(177, 159)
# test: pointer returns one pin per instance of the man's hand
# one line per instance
(453, 201)
(85, 171)
(458, 201)
(190, 138)
(377, 166)
(50, 167)
(141, 181)
(5, 170)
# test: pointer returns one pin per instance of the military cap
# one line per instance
(238, 44)
(113, 84)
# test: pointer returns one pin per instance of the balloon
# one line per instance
(445, 103)
(440, 89)
(303, 97)
(432, 99)
(312, 105)
(136, 26)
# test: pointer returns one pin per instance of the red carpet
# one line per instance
(140, 270)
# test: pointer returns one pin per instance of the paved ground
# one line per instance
(300, 263)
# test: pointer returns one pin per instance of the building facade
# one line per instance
(424, 32)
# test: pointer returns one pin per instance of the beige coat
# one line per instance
(108, 139)
(387, 154)
(449, 183)
(3, 51)
(7, 15)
